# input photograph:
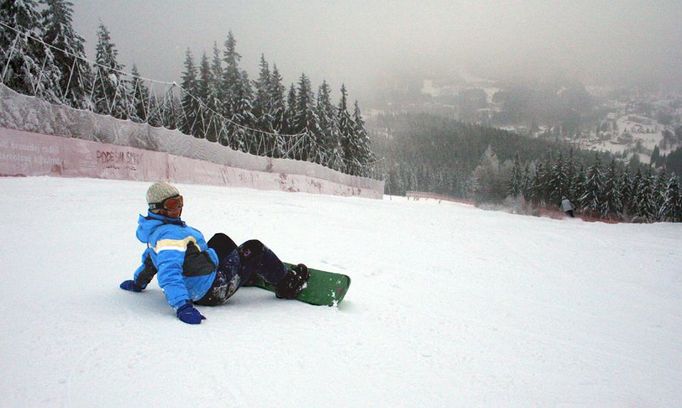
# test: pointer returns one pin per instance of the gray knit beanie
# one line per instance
(159, 191)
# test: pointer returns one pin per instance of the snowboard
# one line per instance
(322, 289)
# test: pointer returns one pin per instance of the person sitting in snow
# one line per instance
(192, 271)
(567, 206)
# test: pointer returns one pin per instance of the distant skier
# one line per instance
(193, 271)
(567, 206)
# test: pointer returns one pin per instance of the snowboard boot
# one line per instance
(293, 282)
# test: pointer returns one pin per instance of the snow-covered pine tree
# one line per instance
(109, 89)
(69, 53)
(212, 121)
(625, 183)
(306, 121)
(634, 186)
(526, 179)
(485, 179)
(644, 197)
(204, 78)
(516, 180)
(190, 121)
(326, 116)
(660, 193)
(346, 131)
(277, 108)
(546, 181)
(578, 187)
(303, 102)
(630, 184)
(558, 181)
(217, 97)
(262, 109)
(29, 66)
(231, 76)
(140, 95)
(613, 192)
(171, 110)
(277, 102)
(592, 199)
(537, 186)
(289, 121)
(570, 170)
(237, 98)
(261, 101)
(329, 140)
(673, 200)
(247, 139)
(364, 156)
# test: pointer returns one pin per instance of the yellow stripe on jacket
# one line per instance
(174, 244)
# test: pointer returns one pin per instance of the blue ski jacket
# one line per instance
(186, 266)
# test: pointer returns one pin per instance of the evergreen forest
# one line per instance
(428, 153)
(42, 55)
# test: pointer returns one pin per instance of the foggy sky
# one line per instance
(362, 43)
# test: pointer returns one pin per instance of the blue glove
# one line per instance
(131, 286)
(188, 314)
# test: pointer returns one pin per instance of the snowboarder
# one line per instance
(567, 206)
(192, 271)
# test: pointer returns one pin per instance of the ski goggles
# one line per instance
(169, 204)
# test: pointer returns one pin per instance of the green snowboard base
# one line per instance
(323, 288)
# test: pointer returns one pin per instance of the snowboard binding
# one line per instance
(293, 282)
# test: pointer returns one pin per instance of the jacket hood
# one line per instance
(147, 224)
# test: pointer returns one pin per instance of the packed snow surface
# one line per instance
(449, 306)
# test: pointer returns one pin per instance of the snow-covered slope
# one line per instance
(449, 306)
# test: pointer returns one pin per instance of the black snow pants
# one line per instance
(239, 264)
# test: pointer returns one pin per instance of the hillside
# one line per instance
(450, 306)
